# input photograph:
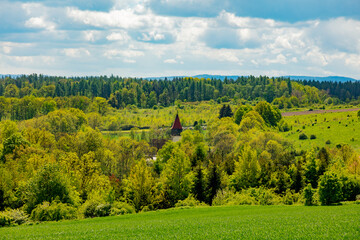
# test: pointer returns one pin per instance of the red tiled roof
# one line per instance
(177, 124)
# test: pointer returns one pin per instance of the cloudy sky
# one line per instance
(146, 38)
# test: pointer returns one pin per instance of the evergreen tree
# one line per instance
(213, 183)
(199, 185)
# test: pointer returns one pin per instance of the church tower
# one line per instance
(176, 128)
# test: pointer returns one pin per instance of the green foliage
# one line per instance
(252, 120)
(309, 195)
(247, 170)
(13, 143)
(225, 111)
(240, 112)
(99, 208)
(121, 208)
(199, 185)
(177, 177)
(270, 114)
(213, 183)
(5, 220)
(140, 186)
(190, 201)
(49, 184)
(330, 188)
(54, 211)
(284, 126)
(303, 136)
(251, 196)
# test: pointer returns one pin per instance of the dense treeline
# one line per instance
(57, 167)
(32, 96)
(345, 91)
(121, 92)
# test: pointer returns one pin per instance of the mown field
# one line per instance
(232, 222)
(336, 127)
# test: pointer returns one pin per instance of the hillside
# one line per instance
(229, 222)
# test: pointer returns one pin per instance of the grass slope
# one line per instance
(234, 222)
(339, 128)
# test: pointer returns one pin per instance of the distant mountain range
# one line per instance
(322, 79)
(222, 77)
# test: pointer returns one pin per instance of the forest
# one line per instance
(56, 161)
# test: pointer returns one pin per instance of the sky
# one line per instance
(153, 38)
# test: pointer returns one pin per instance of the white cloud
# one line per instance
(76, 52)
(124, 18)
(39, 22)
(129, 60)
(131, 32)
(170, 60)
(152, 36)
(124, 53)
(118, 36)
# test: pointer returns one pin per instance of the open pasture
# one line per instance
(330, 129)
(232, 222)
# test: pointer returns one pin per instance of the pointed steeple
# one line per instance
(177, 124)
(176, 128)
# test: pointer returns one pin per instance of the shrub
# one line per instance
(330, 188)
(54, 211)
(5, 220)
(103, 210)
(312, 136)
(328, 142)
(290, 197)
(98, 208)
(121, 208)
(228, 197)
(48, 184)
(350, 187)
(251, 196)
(17, 216)
(89, 207)
(189, 201)
(303, 136)
(308, 195)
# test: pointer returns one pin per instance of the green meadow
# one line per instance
(330, 129)
(229, 222)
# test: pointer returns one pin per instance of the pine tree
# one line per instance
(213, 183)
(199, 185)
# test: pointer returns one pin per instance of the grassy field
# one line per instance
(235, 222)
(339, 128)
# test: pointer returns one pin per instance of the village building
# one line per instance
(176, 128)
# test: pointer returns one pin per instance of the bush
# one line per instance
(189, 201)
(330, 188)
(17, 216)
(48, 184)
(309, 195)
(5, 220)
(303, 136)
(102, 210)
(89, 208)
(291, 197)
(98, 208)
(312, 136)
(328, 142)
(228, 197)
(251, 196)
(54, 211)
(121, 208)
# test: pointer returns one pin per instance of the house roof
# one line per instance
(177, 124)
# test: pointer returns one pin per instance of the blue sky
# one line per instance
(146, 38)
